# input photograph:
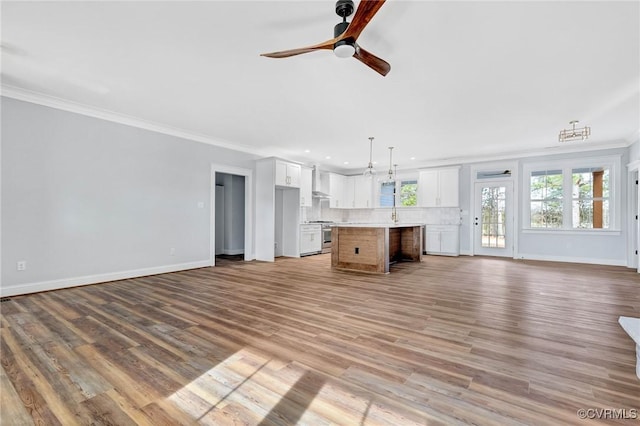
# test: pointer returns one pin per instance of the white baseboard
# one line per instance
(94, 279)
(568, 259)
(233, 252)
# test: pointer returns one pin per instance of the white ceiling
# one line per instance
(468, 80)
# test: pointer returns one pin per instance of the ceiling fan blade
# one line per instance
(292, 52)
(366, 11)
(372, 61)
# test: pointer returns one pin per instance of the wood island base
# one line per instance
(372, 248)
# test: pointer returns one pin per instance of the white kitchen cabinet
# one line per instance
(438, 188)
(278, 203)
(363, 192)
(287, 174)
(306, 184)
(337, 185)
(349, 192)
(442, 240)
(310, 239)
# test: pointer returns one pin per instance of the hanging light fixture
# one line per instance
(390, 175)
(574, 134)
(394, 212)
(369, 172)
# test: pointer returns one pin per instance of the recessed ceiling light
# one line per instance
(346, 162)
(307, 150)
(375, 162)
(413, 158)
(328, 157)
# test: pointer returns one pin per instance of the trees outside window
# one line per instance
(546, 199)
(573, 195)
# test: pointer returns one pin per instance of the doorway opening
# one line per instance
(231, 217)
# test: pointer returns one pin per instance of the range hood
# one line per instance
(316, 185)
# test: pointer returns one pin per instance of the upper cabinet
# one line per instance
(438, 188)
(350, 192)
(363, 192)
(306, 184)
(287, 174)
(337, 191)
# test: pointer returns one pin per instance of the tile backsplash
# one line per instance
(429, 216)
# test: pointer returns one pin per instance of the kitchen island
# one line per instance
(371, 247)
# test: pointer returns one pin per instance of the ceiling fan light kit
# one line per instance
(344, 50)
(574, 134)
(345, 34)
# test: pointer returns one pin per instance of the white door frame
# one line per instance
(508, 250)
(633, 197)
(248, 209)
(514, 166)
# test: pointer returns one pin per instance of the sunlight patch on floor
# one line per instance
(238, 387)
(248, 388)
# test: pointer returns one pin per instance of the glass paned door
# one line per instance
(493, 220)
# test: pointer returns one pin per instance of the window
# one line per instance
(399, 193)
(578, 195)
(546, 199)
(409, 193)
(590, 198)
(387, 194)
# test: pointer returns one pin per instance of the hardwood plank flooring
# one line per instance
(468, 340)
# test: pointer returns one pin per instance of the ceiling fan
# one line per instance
(345, 35)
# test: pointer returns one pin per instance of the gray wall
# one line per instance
(84, 197)
(608, 248)
(603, 248)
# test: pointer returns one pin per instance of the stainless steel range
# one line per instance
(326, 234)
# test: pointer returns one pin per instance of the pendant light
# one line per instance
(390, 176)
(369, 172)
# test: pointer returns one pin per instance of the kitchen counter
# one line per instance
(371, 247)
(375, 225)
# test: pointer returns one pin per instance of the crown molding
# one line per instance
(554, 150)
(103, 114)
(634, 137)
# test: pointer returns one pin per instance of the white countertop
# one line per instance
(375, 225)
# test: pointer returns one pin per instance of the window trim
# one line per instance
(613, 162)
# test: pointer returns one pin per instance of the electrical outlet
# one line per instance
(21, 265)
(172, 251)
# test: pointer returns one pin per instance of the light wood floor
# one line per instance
(446, 341)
